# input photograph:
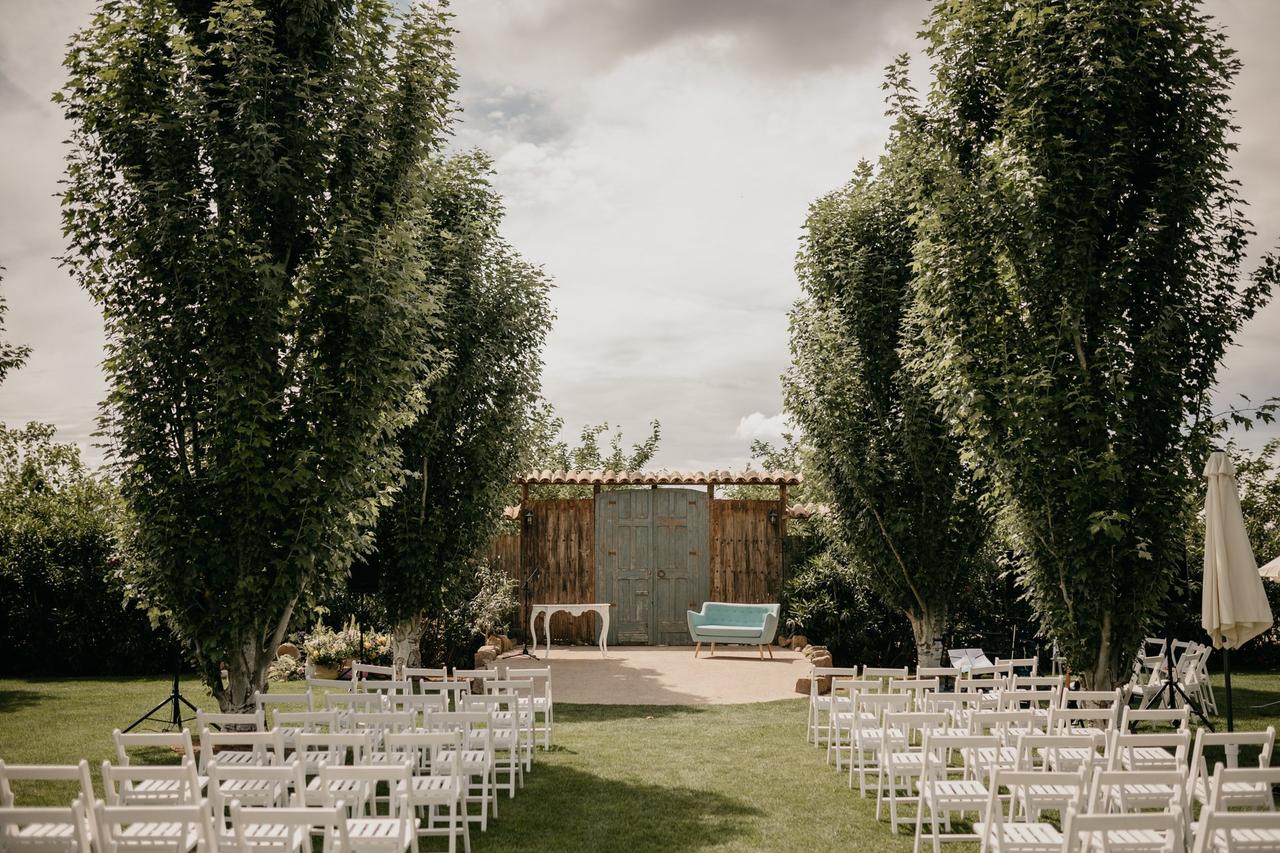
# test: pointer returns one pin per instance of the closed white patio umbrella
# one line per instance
(1271, 571)
(1234, 607)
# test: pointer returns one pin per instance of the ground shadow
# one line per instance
(16, 700)
(563, 808)
(578, 713)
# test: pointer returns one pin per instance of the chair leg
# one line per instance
(760, 648)
(697, 648)
(713, 648)
(770, 648)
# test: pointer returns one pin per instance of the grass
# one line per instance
(620, 777)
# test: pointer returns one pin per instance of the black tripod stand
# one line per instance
(528, 624)
(1171, 689)
(171, 706)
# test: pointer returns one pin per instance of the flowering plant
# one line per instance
(327, 647)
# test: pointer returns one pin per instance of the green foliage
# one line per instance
(12, 356)
(62, 595)
(286, 668)
(494, 602)
(1078, 259)
(906, 506)
(548, 451)
(463, 452)
(829, 601)
(244, 201)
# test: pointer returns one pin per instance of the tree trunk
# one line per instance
(246, 675)
(1105, 671)
(406, 641)
(927, 627)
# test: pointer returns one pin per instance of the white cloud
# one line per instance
(757, 426)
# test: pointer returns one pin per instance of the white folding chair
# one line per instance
(288, 829)
(153, 829)
(279, 786)
(1060, 752)
(476, 759)
(522, 691)
(360, 673)
(917, 688)
(419, 704)
(822, 706)
(167, 742)
(1006, 727)
(261, 748)
(1178, 719)
(1148, 752)
(542, 702)
(335, 749)
(45, 829)
(943, 792)
(438, 782)
(839, 717)
(867, 735)
(1220, 831)
(902, 757)
(1021, 830)
(1233, 794)
(75, 773)
(266, 702)
(1158, 832)
(1032, 665)
(347, 703)
(324, 685)
(292, 724)
(1132, 791)
(367, 831)
(151, 785)
(504, 713)
(449, 691)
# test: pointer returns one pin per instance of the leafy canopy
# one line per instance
(1078, 266)
(244, 201)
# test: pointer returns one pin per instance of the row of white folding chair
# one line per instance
(1221, 831)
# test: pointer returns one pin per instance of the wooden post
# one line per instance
(782, 533)
(712, 557)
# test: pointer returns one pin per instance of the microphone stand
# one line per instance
(528, 623)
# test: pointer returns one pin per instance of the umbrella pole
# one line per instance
(1226, 675)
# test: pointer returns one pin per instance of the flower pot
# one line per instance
(326, 671)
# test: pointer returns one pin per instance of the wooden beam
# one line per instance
(782, 532)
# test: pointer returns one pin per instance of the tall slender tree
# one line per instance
(244, 201)
(1079, 267)
(907, 508)
(462, 453)
(12, 356)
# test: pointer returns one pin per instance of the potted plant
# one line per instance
(328, 650)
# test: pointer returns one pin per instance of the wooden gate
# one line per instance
(652, 561)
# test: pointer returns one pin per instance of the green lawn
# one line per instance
(627, 778)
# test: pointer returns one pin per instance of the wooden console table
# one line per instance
(545, 610)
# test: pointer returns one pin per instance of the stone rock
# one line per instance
(288, 649)
(782, 641)
(485, 655)
(802, 685)
(806, 650)
(821, 660)
(508, 644)
(799, 641)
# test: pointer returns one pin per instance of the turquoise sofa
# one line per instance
(734, 624)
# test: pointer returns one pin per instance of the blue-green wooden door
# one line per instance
(652, 561)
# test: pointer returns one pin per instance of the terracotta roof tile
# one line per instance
(659, 478)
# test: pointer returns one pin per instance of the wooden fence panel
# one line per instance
(746, 551)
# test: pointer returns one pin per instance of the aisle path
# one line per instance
(670, 675)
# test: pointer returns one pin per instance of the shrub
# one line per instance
(62, 599)
(286, 668)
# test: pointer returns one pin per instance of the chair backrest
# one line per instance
(170, 827)
(911, 726)
(878, 705)
(1066, 719)
(342, 685)
(885, 672)
(1256, 827)
(46, 821)
(1106, 832)
(179, 742)
(541, 678)
(1177, 718)
(939, 748)
(1050, 683)
(381, 722)
(980, 682)
(937, 672)
(1264, 740)
(1006, 725)
(1113, 699)
(1239, 777)
(1133, 790)
(387, 687)
(915, 686)
(958, 705)
(1037, 752)
(287, 783)
(150, 784)
(1032, 665)
(503, 708)
(256, 829)
(475, 726)
(360, 782)
(1022, 786)
(449, 690)
(10, 773)
(333, 748)
(419, 704)
(366, 702)
(307, 721)
(1135, 750)
(262, 748)
(518, 687)
(851, 686)
(263, 701)
(1035, 700)
(414, 673)
(360, 672)
(252, 721)
(423, 751)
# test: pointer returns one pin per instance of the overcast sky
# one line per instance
(656, 156)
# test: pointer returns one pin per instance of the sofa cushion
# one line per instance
(751, 615)
(729, 630)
